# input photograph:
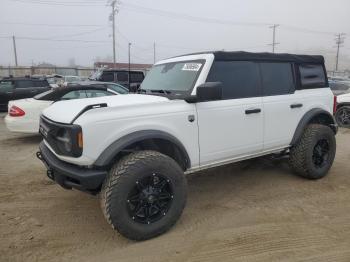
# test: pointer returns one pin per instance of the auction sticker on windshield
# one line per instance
(191, 67)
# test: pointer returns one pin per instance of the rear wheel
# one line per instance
(144, 195)
(314, 153)
(343, 116)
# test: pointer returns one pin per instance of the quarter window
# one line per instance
(312, 76)
(136, 77)
(240, 79)
(122, 77)
(107, 77)
(277, 78)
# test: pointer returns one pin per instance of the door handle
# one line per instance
(252, 111)
(296, 106)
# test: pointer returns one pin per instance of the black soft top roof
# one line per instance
(247, 56)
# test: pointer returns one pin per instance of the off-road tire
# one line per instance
(301, 154)
(122, 178)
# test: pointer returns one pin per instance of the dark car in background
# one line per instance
(14, 88)
(130, 79)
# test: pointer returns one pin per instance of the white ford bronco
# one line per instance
(192, 112)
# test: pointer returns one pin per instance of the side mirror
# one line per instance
(209, 91)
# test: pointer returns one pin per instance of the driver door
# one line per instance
(232, 128)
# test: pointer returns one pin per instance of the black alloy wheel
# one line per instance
(342, 116)
(321, 153)
(150, 199)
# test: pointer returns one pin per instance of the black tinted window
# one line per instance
(312, 76)
(239, 79)
(277, 78)
(107, 77)
(136, 77)
(122, 76)
(41, 83)
(24, 84)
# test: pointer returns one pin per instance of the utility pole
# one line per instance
(339, 41)
(112, 17)
(273, 27)
(129, 47)
(154, 52)
(15, 49)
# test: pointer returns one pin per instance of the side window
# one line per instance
(136, 77)
(24, 84)
(6, 86)
(97, 93)
(122, 77)
(277, 78)
(107, 77)
(240, 79)
(41, 83)
(312, 76)
(74, 95)
(119, 89)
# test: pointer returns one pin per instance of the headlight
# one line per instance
(66, 140)
(70, 141)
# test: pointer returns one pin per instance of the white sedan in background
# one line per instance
(24, 114)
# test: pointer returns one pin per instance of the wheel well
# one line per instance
(323, 119)
(315, 116)
(163, 146)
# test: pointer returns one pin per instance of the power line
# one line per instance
(56, 40)
(170, 14)
(49, 25)
(63, 3)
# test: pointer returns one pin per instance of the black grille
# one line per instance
(51, 131)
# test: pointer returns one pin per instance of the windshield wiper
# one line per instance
(142, 90)
(161, 91)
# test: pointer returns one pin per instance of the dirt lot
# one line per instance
(252, 211)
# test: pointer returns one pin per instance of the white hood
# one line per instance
(66, 111)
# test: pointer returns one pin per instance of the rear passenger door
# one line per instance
(232, 127)
(283, 107)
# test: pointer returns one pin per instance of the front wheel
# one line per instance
(144, 195)
(313, 155)
(343, 116)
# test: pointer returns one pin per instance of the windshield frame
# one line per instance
(173, 93)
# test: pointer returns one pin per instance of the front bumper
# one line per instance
(71, 176)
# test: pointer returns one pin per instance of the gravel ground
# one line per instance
(252, 211)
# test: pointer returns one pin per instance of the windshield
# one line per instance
(176, 77)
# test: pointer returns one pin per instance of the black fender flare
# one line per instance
(107, 156)
(308, 117)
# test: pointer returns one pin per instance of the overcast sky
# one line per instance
(177, 27)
